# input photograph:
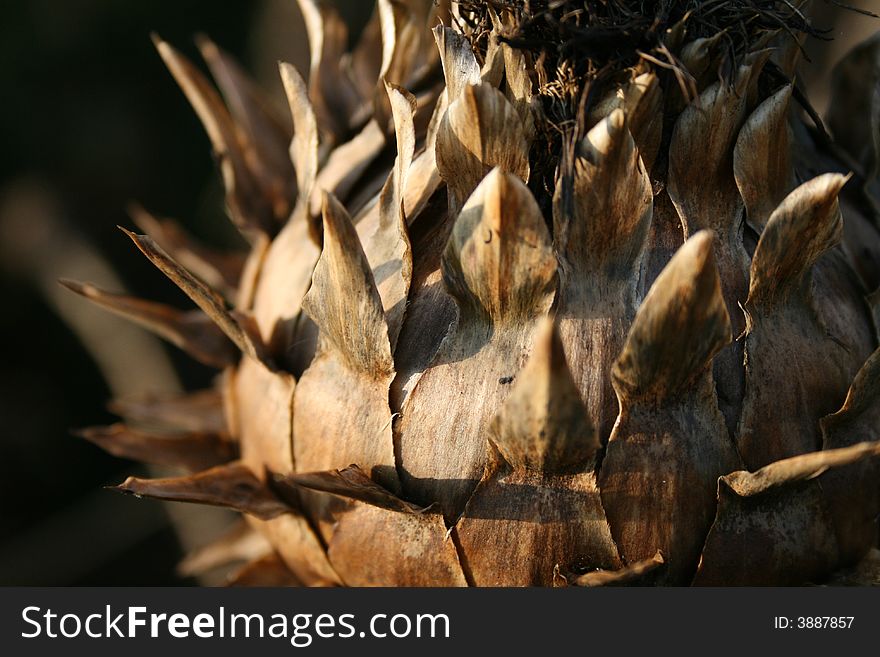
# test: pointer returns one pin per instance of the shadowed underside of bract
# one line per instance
(538, 293)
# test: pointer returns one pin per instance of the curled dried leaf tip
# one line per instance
(232, 485)
(805, 225)
(680, 326)
(480, 130)
(344, 301)
(499, 260)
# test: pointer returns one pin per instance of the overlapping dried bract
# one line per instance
(642, 102)
(537, 506)
(602, 210)
(238, 327)
(543, 425)
(762, 158)
(352, 483)
(703, 188)
(348, 381)
(480, 130)
(460, 67)
(380, 540)
(388, 248)
(500, 268)
(786, 340)
(669, 446)
(263, 417)
(781, 510)
(235, 486)
(285, 270)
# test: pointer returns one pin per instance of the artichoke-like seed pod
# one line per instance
(518, 315)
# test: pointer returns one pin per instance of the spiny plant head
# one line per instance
(538, 293)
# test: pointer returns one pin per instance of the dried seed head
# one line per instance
(497, 347)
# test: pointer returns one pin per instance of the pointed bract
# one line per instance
(192, 451)
(194, 332)
(543, 424)
(787, 339)
(237, 328)
(304, 145)
(762, 158)
(498, 260)
(681, 324)
(344, 301)
(479, 131)
(810, 218)
(233, 486)
(222, 271)
(351, 483)
(460, 68)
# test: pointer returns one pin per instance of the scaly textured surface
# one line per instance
(543, 295)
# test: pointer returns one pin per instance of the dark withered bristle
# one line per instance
(582, 49)
(578, 45)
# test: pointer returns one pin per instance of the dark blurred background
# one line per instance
(89, 121)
